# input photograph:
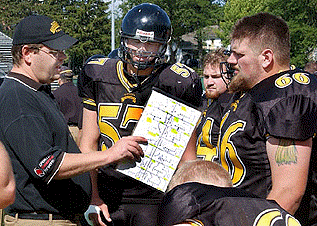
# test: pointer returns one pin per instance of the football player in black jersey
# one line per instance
(204, 139)
(266, 134)
(115, 92)
(201, 194)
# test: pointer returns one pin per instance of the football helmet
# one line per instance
(146, 23)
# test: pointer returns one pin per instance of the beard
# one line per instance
(238, 83)
(212, 95)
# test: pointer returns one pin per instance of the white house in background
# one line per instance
(5, 54)
(188, 49)
(212, 44)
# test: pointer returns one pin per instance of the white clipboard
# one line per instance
(167, 124)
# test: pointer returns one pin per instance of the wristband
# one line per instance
(91, 209)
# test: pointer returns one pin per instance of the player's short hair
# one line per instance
(202, 171)
(265, 31)
(215, 57)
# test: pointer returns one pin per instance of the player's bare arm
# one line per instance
(289, 161)
(286, 152)
(7, 182)
(88, 143)
(191, 150)
(90, 132)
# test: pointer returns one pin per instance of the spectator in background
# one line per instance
(311, 67)
(202, 195)
(7, 182)
(69, 102)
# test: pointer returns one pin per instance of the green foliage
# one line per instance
(86, 20)
(236, 9)
(89, 21)
(190, 15)
(11, 14)
(301, 17)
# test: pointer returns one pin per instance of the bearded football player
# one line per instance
(267, 136)
(115, 92)
(203, 141)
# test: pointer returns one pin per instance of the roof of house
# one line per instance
(5, 53)
(208, 33)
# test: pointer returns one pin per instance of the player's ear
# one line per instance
(267, 58)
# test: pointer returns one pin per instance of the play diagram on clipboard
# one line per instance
(167, 124)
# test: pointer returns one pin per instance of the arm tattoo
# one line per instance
(286, 152)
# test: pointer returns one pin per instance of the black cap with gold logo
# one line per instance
(37, 29)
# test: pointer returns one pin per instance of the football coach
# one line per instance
(52, 175)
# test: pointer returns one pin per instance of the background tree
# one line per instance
(86, 20)
(89, 21)
(12, 12)
(236, 9)
(301, 17)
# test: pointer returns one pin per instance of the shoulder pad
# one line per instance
(183, 82)
(102, 69)
(182, 70)
(288, 101)
(95, 57)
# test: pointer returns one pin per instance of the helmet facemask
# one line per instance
(226, 70)
(150, 59)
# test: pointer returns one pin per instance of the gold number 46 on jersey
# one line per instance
(228, 155)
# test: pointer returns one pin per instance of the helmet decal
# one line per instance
(147, 34)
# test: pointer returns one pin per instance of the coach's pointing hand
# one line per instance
(127, 148)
